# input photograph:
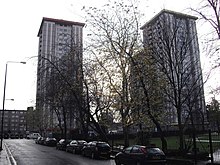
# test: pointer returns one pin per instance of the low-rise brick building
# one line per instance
(14, 123)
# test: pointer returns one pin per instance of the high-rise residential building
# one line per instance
(170, 38)
(59, 66)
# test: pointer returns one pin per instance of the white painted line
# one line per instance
(11, 158)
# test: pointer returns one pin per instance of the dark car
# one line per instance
(37, 140)
(75, 146)
(40, 140)
(140, 155)
(97, 149)
(61, 145)
(50, 142)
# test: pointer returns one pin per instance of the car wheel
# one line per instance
(83, 153)
(117, 162)
(108, 157)
(93, 155)
(138, 163)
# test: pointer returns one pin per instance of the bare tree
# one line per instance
(113, 35)
(115, 40)
(214, 114)
(210, 12)
(67, 100)
(146, 93)
(98, 96)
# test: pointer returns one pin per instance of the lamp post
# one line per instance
(3, 107)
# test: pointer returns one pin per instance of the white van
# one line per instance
(33, 136)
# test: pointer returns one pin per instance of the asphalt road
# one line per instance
(26, 152)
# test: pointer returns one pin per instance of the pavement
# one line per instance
(6, 157)
(174, 161)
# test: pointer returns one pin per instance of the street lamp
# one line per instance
(3, 108)
(10, 99)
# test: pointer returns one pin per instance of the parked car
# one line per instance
(37, 140)
(40, 140)
(33, 136)
(97, 149)
(50, 142)
(117, 149)
(61, 145)
(75, 146)
(140, 155)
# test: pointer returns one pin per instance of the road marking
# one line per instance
(11, 158)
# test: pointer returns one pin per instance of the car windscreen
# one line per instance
(81, 142)
(154, 150)
(102, 144)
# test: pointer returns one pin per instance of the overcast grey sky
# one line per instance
(20, 22)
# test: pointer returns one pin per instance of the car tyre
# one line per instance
(93, 155)
(83, 153)
(108, 156)
(138, 163)
(117, 162)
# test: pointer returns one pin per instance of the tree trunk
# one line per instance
(65, 127)
(194, 138)
(162, 137)
(181, 139)
(126, 138)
